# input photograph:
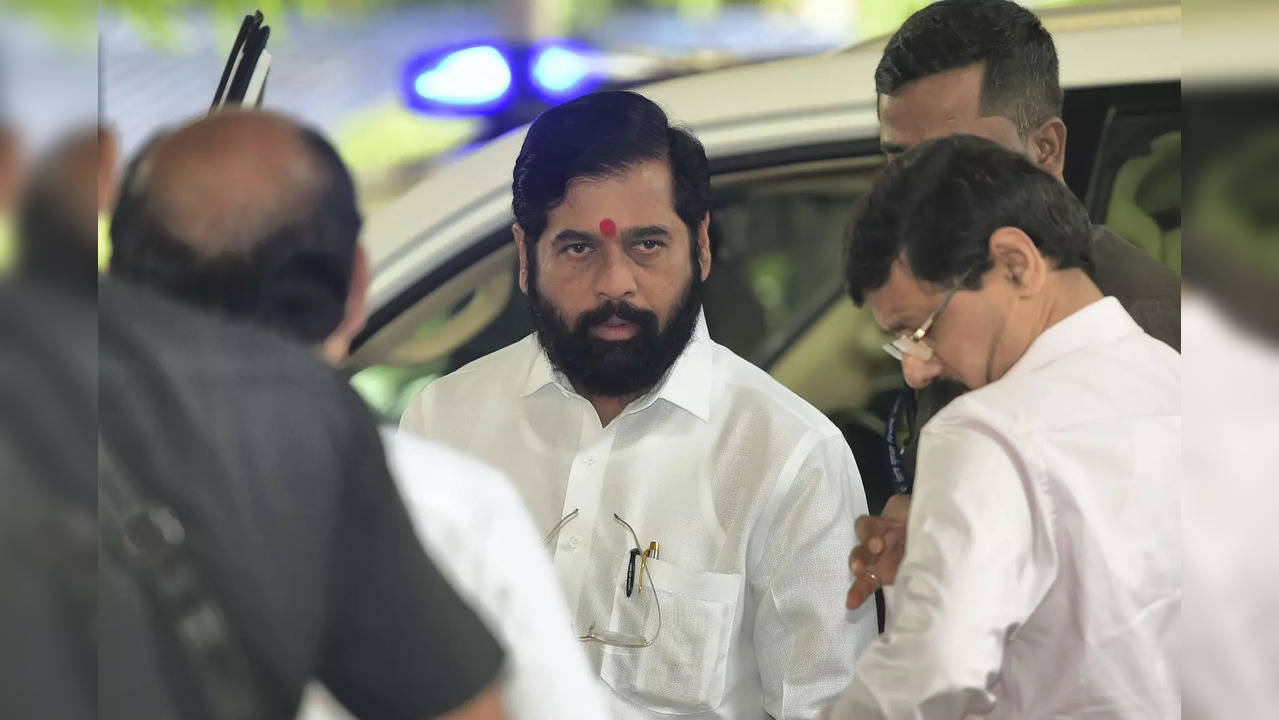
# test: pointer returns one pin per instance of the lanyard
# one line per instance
(902, 481)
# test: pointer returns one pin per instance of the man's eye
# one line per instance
(650, 245)
(577, 249)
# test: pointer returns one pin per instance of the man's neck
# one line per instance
(1074, 291)
(608, 408)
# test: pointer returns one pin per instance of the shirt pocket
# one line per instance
(683, 672)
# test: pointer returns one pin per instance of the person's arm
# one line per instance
(805, 641)
(400, 643)
(486, 706)
(474, 524)
(969, 578)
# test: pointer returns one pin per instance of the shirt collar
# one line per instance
(686, 385)
(1099, 322)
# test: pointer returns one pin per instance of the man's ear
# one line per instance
(522, 248)
(1047, 144)
(338, 345)
(704, 245)
(1018, 261)
(358, 297)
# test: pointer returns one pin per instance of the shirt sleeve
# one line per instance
(806, 642)
(967, 581)
(413, 421)
(400, 643)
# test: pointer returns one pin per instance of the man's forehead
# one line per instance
(931, 106)
(639, 196)
(897, 303)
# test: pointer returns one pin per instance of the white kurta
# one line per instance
(750, 492)
(1042, 571)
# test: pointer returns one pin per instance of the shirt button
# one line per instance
(573, 542)
(590, 459)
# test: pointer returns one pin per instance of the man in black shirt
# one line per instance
(275, 470)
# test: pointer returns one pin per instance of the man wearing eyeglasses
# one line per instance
(1042, 574)
(694, 507)
(989, 68)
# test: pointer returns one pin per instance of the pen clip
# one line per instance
(650, 552)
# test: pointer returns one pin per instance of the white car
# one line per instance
(792, 145)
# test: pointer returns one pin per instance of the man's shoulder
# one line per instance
(1148, 290)
(499, 371)
(188, 341)
(751, 390)
(1135, 375)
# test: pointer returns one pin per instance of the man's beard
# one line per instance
(615, 368)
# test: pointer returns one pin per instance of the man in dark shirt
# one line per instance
(275, 470)
(989, 68)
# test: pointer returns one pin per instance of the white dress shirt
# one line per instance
(1042, 570)
(476, 530)
(749, 491)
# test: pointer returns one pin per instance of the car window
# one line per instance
(1134, 179)
(777, 238)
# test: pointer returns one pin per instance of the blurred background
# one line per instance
(340, 64)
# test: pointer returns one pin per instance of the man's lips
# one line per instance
(615, 329)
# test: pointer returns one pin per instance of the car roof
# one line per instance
(804, 100)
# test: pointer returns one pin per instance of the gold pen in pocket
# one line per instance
(652, 552)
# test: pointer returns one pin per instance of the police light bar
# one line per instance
(484, 78)
(244, 75)
(563, 70)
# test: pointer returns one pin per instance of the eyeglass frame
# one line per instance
(608, 637)
(914, 341)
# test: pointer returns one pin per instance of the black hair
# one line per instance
(295, 278)
(1021, 75)
(600, 135)
(940, 202)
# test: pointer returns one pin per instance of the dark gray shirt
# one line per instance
(276, 470)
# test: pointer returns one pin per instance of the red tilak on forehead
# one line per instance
(608, 228)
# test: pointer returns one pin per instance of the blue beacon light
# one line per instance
(560, 71)
(474, 79)
(487, 78)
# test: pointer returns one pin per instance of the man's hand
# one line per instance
(485, 706)
(881, 544)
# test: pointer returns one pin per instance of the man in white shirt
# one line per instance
(694, 507)
(249, 215)
(1040, 559)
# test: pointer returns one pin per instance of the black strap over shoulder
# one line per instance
(149, 541)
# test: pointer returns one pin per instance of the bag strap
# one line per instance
(149, 540)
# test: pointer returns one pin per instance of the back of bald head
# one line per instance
(243, 212)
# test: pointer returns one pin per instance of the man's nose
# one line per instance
(919, 373)
(616, 277)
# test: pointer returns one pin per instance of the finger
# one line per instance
(862, 589)
(893, 539)
(896, 508)
(875, 545)
(867, 527)
(859, 559)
